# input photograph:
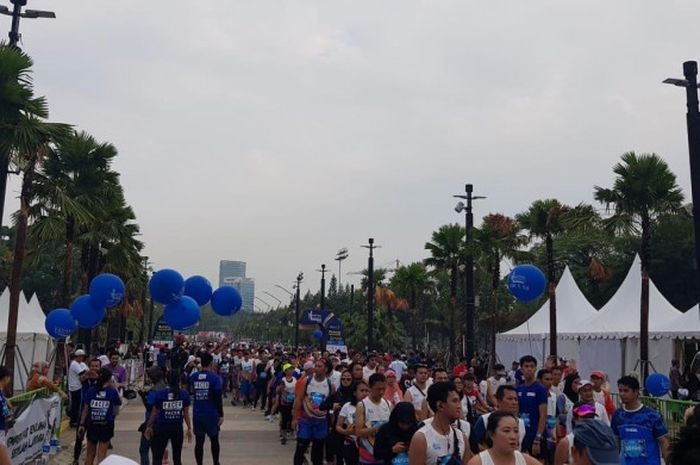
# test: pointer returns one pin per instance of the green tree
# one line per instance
(411, 282)
(644, 188)
(446, 251)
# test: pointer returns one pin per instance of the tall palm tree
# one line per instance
(446, 251)
(70, 187)
(543, 220)
(498, 238)
(645, 187)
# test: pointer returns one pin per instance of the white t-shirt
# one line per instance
(398, 366)
(494, 384)
(418, 395)
(348, 412)
(74, 371)
(367, 372)
(335, 378)
(486, 459)
(439, 446)
(483, 389)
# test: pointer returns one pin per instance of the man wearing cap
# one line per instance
(642, 432)
(594, 444)
(77, 373)
(585, 393)
(602, 396)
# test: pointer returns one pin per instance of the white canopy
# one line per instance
(572, 309)
(620, 316)
(33, 342)
(686, 325)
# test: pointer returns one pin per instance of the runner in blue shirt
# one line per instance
(90, 382)
(171, 407)
(532, 397)
(97, 421)
(641, 430)
(208, 411)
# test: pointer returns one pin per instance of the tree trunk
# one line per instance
(644, 301)
(495, 282)
(18, 263)
(552, 296)
(414, 323)
(68, 263)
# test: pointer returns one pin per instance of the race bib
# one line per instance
(290, 397)
(400, 459)
(526, 419)
(634, 448)
(317, 399)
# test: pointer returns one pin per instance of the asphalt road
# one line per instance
(245, 438)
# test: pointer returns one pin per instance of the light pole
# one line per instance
(469, 271)
(300, 278)
(339, 257)
(370, 292)
(269, 307)
(323, 286)
(285, 290)
(16, 14)
(279, 302)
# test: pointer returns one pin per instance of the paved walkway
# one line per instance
(246, 438)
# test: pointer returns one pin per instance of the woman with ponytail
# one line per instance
(172, 405)
(97, 421)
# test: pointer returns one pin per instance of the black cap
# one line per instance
(599, 440)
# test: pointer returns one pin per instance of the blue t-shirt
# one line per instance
(101, 404)
(5, 411)
(204, 386)
(171, 409)
(150, 402)
(530, 398)
(639, 432)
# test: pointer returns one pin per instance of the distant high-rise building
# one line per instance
(231, 269)
(232, 273)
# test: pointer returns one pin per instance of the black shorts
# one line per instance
(286, 416)
(99, 433)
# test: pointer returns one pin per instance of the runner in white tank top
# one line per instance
(440, 447)
(485, 457)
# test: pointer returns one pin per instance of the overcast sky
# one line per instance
(277, 132)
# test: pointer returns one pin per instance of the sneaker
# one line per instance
(283, 440)
(268, 418)
(233, 402)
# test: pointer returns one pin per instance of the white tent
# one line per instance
(687, 325)
(532, 337)
(609, 341)
(33, 342)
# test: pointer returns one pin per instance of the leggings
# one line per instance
(316, 451)
(334, 447)
(199, 449)
(160, 442)
(351, 454)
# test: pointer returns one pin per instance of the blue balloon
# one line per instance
(182, 314)
(107, 290)
(60, 323)
(226, 301)
(199, 288)
(318, 334)
(658, 384)
(166, 286)
(526, 282)
(86, 313)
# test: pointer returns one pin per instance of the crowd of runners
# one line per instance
(371, 408)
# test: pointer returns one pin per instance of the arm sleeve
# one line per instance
(660, 428)
(382, 444)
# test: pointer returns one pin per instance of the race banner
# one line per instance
(162, 333)
(35, 425)
(332, 328)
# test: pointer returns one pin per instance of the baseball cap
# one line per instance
(79, 352)
(599, 440)
(287, 366)
(598, 374)
(584, 382)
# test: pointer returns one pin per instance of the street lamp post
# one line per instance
(300, 278)
(339, 257)
(279, 302)
(323, 286)
(370, 293)
(269, 307)
(469, 271)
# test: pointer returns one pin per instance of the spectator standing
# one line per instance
(77, 373)
(39, 379)
(675, 376)
(118, 371)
